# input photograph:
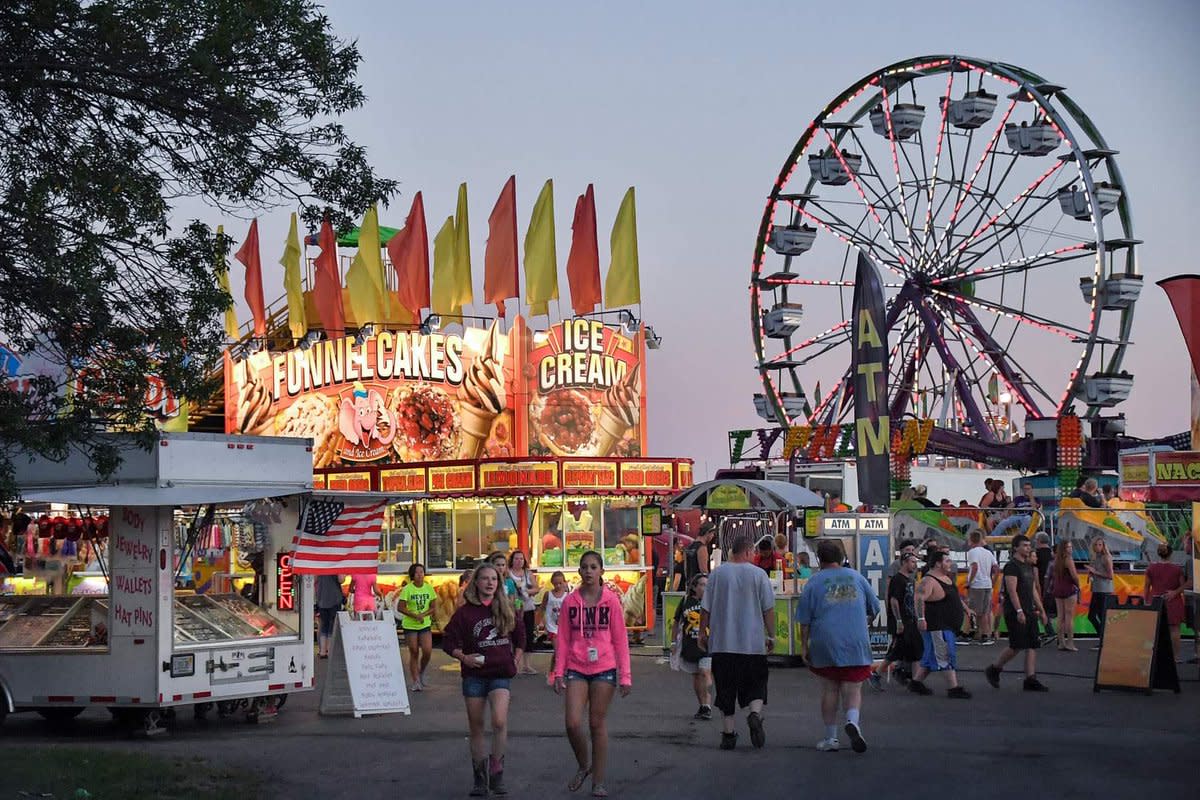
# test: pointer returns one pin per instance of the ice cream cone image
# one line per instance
(481, 396)
(476, 426)
(619, 413)
(611, 429)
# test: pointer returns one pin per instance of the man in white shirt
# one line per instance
(982, 570)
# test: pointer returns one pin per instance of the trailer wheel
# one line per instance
(60, 715)
(200, 710)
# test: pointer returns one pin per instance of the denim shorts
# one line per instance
(608, 676)
(475, 686)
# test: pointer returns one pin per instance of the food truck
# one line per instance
(144, 648)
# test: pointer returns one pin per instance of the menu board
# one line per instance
(1135, 651)
(439, 540)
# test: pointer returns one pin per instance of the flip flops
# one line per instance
(578, 780)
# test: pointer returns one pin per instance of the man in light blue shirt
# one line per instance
(833, 613)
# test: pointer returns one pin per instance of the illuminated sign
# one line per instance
(402, 480)
(450, 480)
(319, 481)
(589, 475)
(348, 482)
(685, 475)
(285, 597)
(518, 476)
(647, 475)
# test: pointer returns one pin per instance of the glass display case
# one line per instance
(53, 622)
(201, 618)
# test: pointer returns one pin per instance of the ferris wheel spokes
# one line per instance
(1023, 264)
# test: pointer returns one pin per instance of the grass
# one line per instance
(76, 773)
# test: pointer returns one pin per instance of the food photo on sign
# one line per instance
(587, 392)
(399, 396)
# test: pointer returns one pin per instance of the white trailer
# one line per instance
(144, 648)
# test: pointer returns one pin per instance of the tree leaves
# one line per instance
(110, 113)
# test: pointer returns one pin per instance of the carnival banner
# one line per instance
(869, 370)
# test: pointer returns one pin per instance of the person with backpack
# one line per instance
(697, 554)
(693, 658)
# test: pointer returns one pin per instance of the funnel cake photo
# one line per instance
(427, 427)
(314, 416)
(481, 396)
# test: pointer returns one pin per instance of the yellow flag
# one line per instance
(623, 284)
(444, 296)
(231, 323)
(541, 260)
(464, 295)
(364, 279)
(297, 317)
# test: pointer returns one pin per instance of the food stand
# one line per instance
(521, 439)
(143, 648)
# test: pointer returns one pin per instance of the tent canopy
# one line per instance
(760, 495)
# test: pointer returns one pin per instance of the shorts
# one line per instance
(856, 674)
(692, 667)
(940, 651)
(608, 676)
(1022, 637)
(415, 631)
(980, 601)
(475, 686)
(740, 678)
(327, 616)
(906, 646)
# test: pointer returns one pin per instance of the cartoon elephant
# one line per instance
(360, 418)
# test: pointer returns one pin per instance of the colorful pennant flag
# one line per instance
(231, 323)
(327, 284)
(249, 256)
(409, 252)
(500, 280)
(445, 281)
(297, 316)
(464, 293)
(583, 262)
(364, 279)
(541, 259)
(623, 286)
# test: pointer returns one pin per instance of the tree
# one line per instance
(111, 112)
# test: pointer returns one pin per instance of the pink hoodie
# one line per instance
(601, 627)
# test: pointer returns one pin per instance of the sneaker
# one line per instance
(758, 737)
(417, 687)
(828, 745)
(964, 641)
(959, 693)
(992, 673)
(918, 687)
(728, 741)
(875, 681)
(705, 712)
(1034, 685)
(857, 742)
(988, 641)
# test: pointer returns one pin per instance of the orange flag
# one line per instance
(500, 258)
(583, 262)
(409, 252)
(248, 255)
(327, 289)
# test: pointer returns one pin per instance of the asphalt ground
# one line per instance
(1070, 742)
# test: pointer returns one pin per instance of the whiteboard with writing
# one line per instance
(371, 654)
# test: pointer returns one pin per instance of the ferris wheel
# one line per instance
(986, 198)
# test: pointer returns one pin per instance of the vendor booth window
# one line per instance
(500, 525)
(469, 538)
(577, 526)
(622, 541)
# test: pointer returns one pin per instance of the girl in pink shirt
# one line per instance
(591, 658)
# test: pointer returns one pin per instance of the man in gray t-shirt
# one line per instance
(737, 626)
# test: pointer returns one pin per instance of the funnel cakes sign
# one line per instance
(399, 396)
(587, 392)
(408, 397)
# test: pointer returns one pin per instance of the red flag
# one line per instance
(1184, 293)
(327, 288)
(248, 255)
(409, 252)
(500, 258)
(583, 263)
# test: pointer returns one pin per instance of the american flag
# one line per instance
(336, 539)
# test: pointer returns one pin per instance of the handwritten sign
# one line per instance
(366, 662)
(134, 545)
(1135, 650)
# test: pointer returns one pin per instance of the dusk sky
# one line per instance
(698, 104)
